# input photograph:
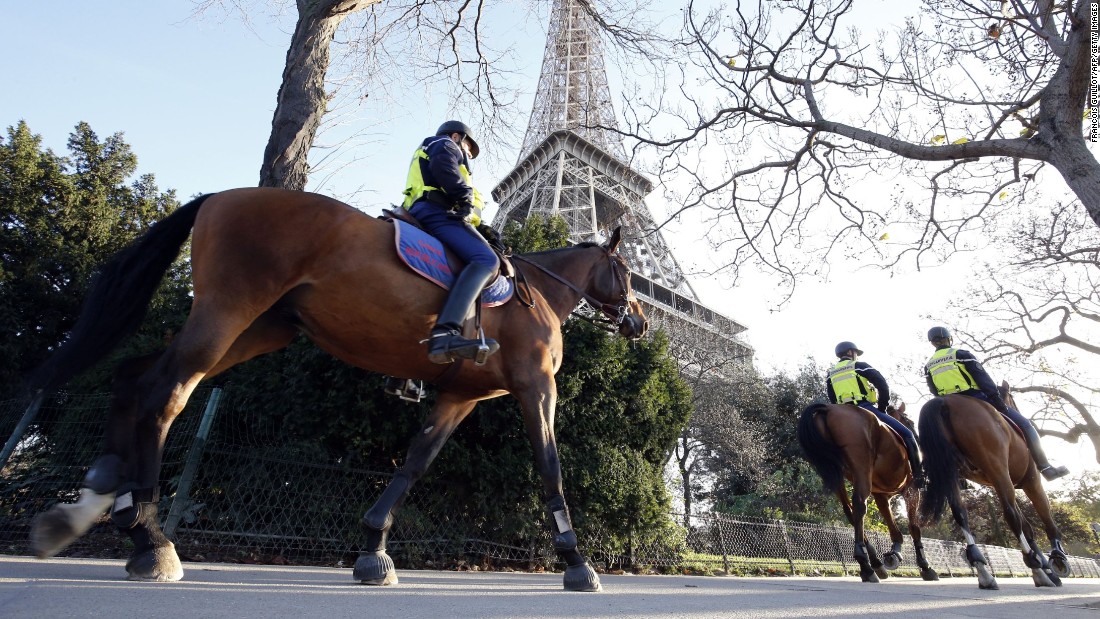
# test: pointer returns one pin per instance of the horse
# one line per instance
(268, 264)
(842, 441)
(963, 435)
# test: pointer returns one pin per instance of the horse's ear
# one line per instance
(613, 243)
(901, 408)
(1005, 387)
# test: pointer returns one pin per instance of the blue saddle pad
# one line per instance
(425, 254)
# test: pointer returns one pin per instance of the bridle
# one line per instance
(615, 313)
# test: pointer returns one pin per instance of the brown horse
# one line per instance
(962, 435)
(843, 441)
(268, 264)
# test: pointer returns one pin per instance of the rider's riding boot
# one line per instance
(1049, 471)
(915, 464)
(446, 342)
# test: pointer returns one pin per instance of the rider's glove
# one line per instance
(461, 211)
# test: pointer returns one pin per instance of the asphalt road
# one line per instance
(97, 588)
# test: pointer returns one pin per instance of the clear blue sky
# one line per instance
(194, 98)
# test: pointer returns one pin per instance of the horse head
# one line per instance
(898, 412)
(612, 289)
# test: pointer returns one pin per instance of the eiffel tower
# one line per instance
(572, 164)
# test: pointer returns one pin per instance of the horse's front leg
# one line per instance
(374, 566)
(1059, 560)
(1034, 558)
(538, 406)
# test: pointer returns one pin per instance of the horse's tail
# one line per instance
(117, 298)
(941, 460)
(826, 458)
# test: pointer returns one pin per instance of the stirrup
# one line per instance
(483, 350)
(443, 349)
(405, 388)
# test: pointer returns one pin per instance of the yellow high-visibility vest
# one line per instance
(415, 187)
(848, 385)
(948, 374)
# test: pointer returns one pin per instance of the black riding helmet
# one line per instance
(938, 333)
(456, 126)
(843, 348)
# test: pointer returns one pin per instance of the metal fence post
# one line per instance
(194, 455)
(839, 551)
(722, 542)
(786, 544)
(21, 427)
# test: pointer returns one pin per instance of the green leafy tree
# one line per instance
(779, 483)
(60, 218)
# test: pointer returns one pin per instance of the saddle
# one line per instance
(503, 256)
(426, 256)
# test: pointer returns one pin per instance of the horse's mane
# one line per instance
(557, 250)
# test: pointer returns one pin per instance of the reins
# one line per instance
(615, 313)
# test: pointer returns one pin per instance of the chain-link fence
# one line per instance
(235, 495)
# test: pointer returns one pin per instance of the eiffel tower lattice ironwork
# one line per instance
(572, 164)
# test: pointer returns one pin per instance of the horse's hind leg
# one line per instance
(210, 342)
(144, 405)
(911, 502)
(864, 553)
(374, 566)
(56, 528)
(974, 555)
(892, 559)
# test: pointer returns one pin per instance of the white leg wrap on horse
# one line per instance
(562, 521)
(87, 509)
(1023, 544)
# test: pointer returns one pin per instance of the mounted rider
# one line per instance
(957, 371)
(855, 382)
(440, 195)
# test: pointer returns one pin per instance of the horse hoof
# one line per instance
(1045, 578)
(929, 574)
(891, 560)
(161, 564)
(868, 573)
(882, 573)
(375, 568)
(50, 532)
(581, 578)
(986, 579)
(61, 524)
(1059, 565)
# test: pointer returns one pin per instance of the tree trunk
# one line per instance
(301, 101)
(1079, 168)
(1060, 121)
